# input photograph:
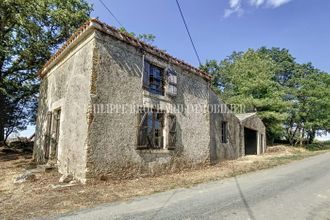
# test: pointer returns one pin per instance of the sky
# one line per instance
(219, 27)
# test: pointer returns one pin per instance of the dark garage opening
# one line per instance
(250, 141)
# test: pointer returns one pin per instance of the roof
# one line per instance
(245, 116)
(119, 35)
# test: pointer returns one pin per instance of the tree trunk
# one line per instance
(302, 137)
(2, 119)
(311, 137)
(2, 133)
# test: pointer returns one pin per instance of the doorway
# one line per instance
(250, 141)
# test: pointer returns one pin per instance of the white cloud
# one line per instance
(277, 3)
(234, 3)
(256, 3)
(229, 12)
(235, 6)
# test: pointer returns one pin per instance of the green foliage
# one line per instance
(311, 110)
(248, 79)
(318, 146)
(285, 63)
(30, 32)
(292, 99)
(147, 38)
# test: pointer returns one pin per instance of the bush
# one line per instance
(325, 145)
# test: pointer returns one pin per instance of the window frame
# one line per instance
(150, 80)
(149, 140)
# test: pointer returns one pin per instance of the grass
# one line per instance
(46, 197)
(325, 145)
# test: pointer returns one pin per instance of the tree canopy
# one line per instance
(291, 98)
(29, 33)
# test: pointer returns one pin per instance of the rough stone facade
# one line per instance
(113, 139)
(67, 87)
(233, 148)
(253, 122)
(100, 68)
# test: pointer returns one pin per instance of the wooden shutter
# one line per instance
(48, 134)
(141, 130)
(172, 82)
(146, 75)
(172, 132)
(55, 133)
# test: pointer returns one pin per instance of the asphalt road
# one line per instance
(299, 190)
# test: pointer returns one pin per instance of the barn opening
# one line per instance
(250, 141)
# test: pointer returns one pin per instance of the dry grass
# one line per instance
(41, 198)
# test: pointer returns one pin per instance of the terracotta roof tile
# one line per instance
(125, 38)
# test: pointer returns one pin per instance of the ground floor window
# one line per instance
(151, 129)
(156, 130)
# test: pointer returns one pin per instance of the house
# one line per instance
(113, 105)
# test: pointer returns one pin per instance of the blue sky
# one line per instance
(302, 26)
(220, 27)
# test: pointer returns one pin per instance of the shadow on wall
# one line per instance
(38, 149)
(192, 86)
(218, 150)
(214, 138)
(111, 57)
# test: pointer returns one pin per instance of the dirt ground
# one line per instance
(45, 196)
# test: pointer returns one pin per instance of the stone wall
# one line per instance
(113, 137)
(67, 87)
(255, 123)
(233, 148)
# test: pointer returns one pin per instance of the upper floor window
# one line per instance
(153, 78)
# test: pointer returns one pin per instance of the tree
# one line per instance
(30, 31)
(248, 79)
(284, 61)
(292, 99)
(285, 66)
(311, 104)
(147, 38)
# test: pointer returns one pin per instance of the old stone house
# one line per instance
(113, 105)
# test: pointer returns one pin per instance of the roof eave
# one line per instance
(93, 24)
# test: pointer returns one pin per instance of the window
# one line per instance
(224, 132)
(153, 78)
(150, 134)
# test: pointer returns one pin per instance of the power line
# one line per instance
(191, 40)
(111, 13)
